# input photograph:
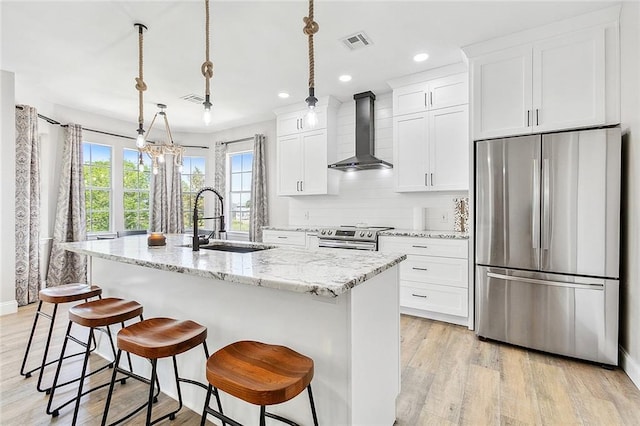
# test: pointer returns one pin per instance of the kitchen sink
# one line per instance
(229, 247)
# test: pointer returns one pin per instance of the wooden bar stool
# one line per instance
(55, 295)
(152, 339)
(95, 315)
(259, 374)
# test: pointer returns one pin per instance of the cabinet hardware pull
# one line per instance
(420, 246)
(301, 186)
(537, 117)
(431, 98)
(283, 237)
(419, 295)
(419, 269)
(425, 99)
(426, 177)
(528, 118)
(431, 179)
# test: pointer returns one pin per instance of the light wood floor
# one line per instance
(448, 377)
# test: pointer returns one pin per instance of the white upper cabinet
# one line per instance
(433, 94)
(431, 135)
(304, 153)
(553, 81)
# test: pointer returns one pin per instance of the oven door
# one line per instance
(347, 244)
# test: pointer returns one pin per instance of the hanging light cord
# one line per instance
(141, 86)
(207, 65)
(310, 28)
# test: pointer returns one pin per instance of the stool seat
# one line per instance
(161, 337)
(259, 373)
(99, 313)
(69, 293)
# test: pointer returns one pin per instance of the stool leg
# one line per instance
(111, 386)
(154, 363)
(175, 371)
(82, 376)
(313, 406)
(57, 375)
(206, 404)
(263, 420)
(26, 352)
(46, 348)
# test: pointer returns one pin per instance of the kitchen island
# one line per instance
(339, 307)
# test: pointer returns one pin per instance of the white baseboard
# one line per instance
(10, 307)
(630, 366)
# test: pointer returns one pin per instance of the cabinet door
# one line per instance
(449, 145)
(569, 81)
(410, 153)
(410, 99)
(289, 124)
(449, 91)
(314, 162)
(289, 165)
(502, 91)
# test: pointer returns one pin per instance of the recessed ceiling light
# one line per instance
(283, 95)
(344, 78)
(421, 57)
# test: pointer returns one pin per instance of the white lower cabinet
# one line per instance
(434, 278)
(286, 238)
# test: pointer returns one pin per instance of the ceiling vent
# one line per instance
(196, 99)
(357, 41)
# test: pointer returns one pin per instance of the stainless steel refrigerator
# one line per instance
(547, 242)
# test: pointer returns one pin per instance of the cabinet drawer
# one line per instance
(434, 298)
(284, 238)
(425, 246)
(435, 270)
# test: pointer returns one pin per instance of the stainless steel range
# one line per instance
(351, 237)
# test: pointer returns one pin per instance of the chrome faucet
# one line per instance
(196, 238)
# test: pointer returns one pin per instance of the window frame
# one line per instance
(136, 190)
(89, 188)
(229, 192)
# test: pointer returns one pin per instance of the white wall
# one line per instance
(8, 302)
(368, 196)
(630, 118)
(278, 206)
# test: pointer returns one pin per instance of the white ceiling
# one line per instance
(83, 54)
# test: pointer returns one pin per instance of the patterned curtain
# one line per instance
(27, 205)
(166, 200)
(219, 180)
(258, 217)
(64, 266)
(159, 218)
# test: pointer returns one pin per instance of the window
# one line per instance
(193, 174)
(136, 185)
(240, 190)
(97, 182)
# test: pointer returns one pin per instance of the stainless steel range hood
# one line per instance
(365, 138)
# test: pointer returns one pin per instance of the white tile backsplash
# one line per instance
(368, 196)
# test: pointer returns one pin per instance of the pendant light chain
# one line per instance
(207, 65)
(141, 86)
(311, 27)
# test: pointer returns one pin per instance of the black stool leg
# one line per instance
(263, 420)
(111, 386)
(46, 348)
(154, 364)
(26, 352)
(57, 375)
(313, 406)
(82, 376)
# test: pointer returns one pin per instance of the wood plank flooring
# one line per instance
(449, 377)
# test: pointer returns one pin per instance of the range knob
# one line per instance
(369, 235)
(323, 232)
(329, 232)
(362, 233)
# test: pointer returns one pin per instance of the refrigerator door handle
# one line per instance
(545, 204)
(535, 214)
(545, 282)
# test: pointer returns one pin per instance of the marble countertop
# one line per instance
(299, 228)
(327, 272)
(425, 234)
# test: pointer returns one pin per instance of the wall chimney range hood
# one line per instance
(365, 137)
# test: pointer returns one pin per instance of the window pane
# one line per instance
(246, 181)
(235, 201)
(101, 176)
(197, 165)
(130, 178)
(236, 163)
(247, 160)
(144, 201)
(130, 156)
(100, 222)
(144, 220)
(130, 220)
(236, 182)
(144, 180)
(130, 201)
(245, 200)
(100, 154)
(100, 200)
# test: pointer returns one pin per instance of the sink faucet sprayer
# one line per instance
(196, 238)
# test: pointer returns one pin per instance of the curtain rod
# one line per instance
(57, 123)
(238, 140)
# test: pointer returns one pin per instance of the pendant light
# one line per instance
(207, 70)
(310, 28)
(141, 86)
